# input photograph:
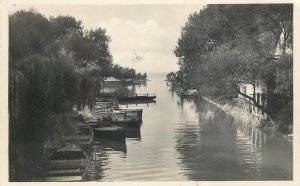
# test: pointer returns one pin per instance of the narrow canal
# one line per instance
(190, 140)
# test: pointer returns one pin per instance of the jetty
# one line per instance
(128, 98)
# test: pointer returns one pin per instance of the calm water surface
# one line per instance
(189, 140)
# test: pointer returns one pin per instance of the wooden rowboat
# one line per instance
(110, 132)
(140, 97)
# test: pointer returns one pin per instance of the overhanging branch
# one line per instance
(255, 103)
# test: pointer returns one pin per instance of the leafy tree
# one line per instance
(284, 75)
(144, 76)
(139, 76)
(99, 53)
(278, 19)
(53, 65)
(27, 34)
(116, 71)
(171, 76)
(61, 25)
(224, 46)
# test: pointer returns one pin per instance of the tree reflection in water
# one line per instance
(219, 148)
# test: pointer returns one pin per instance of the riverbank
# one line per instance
(242, 115)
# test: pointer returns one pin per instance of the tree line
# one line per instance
(224, 46)
(54, 64)
(122, 73)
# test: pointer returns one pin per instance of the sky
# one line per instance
(143, 36)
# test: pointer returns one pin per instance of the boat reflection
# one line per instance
(133, 134)
(226, 149)
(111, 145)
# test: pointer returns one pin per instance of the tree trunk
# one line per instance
(253, 94)
(284, 44)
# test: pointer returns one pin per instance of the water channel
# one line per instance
(190, 140)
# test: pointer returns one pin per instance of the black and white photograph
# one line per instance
(143, 92)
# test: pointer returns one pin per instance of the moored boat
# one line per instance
(128, 124)
(137, 102)
(83, 138)
(110, 132)
(130, 115)
(66, 178)
(70, 156)
(67, 164)
(133, 134)
(125, 97)
(118, 115)
(106, 103)
(137, 97)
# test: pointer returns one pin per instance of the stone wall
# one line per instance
(239, 113)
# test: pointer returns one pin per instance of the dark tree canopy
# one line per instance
(54, 64)
(224, 46)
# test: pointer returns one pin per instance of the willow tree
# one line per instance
(46, 78)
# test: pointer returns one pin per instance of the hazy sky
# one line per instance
(143, 36)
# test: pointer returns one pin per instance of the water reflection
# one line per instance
(220, 148)
(271, 155)
(94, 170)
(111, 145)
(206, 145)
(183, 139)
(100, 154)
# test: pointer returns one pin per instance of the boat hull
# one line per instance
(121, 115)
(133, 124)
(111, 132)
(67, 163)
(135, 98)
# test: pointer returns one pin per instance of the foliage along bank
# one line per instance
(225, 46)
(54, 64)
